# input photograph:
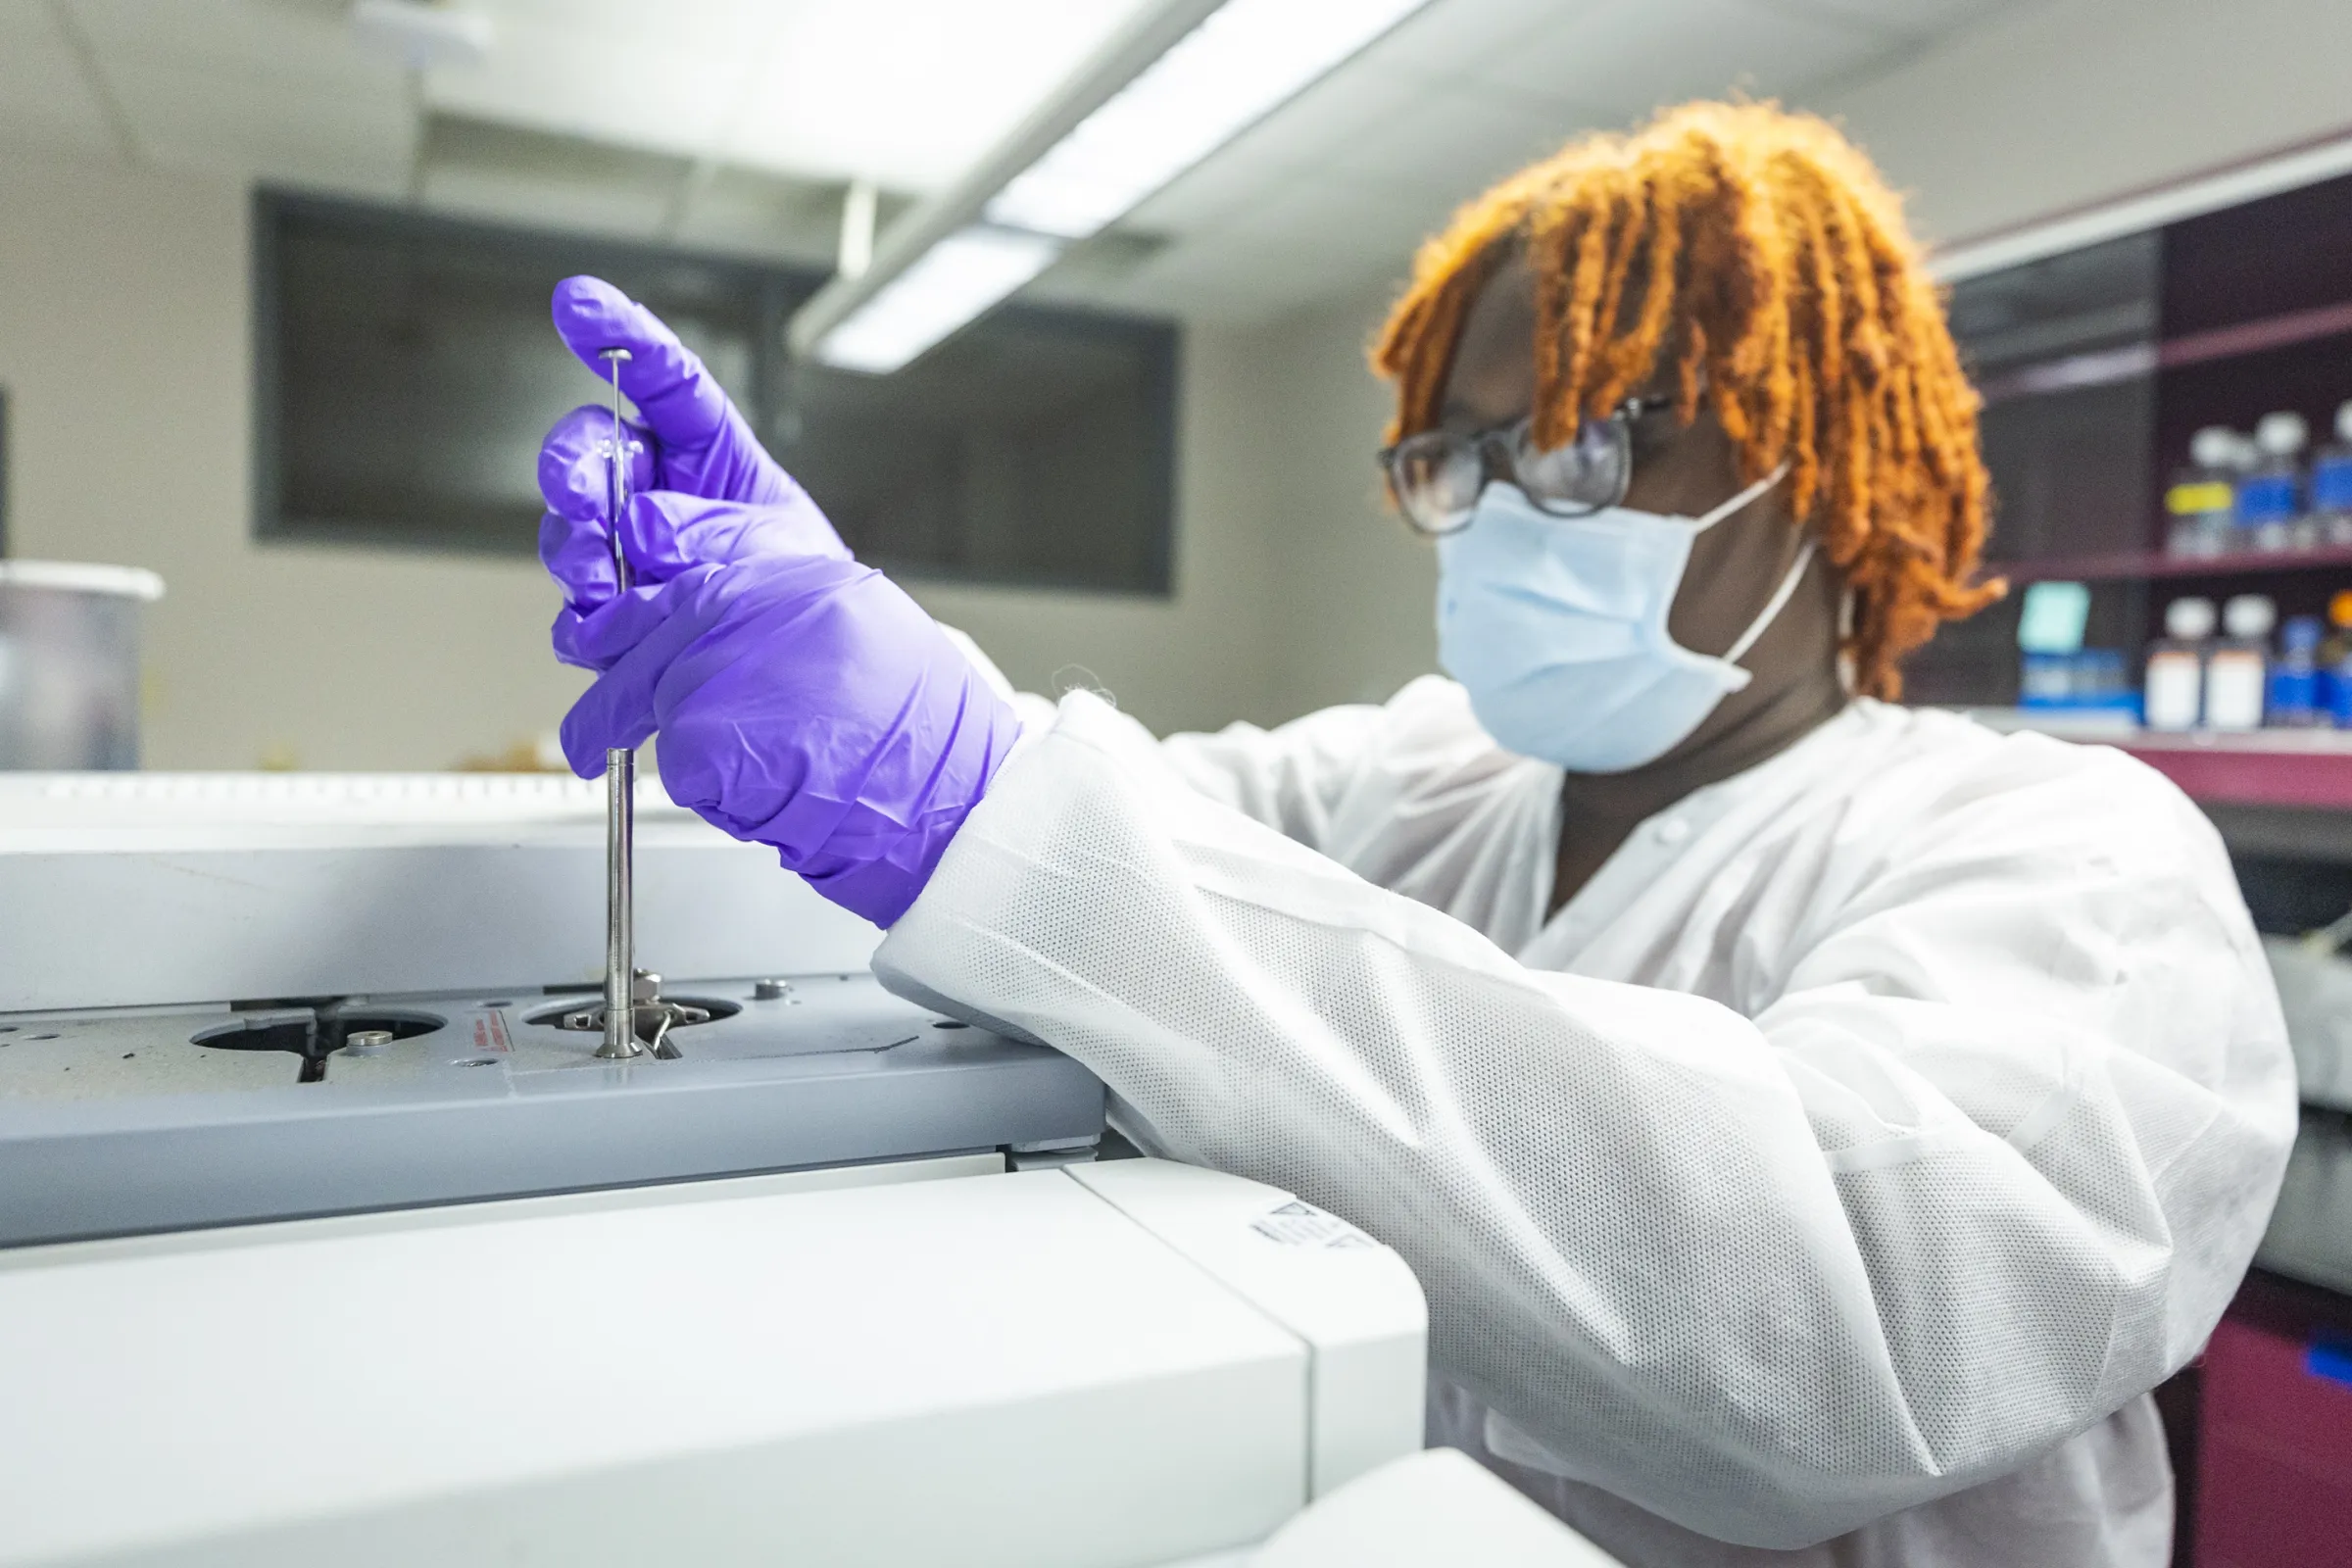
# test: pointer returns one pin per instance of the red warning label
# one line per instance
(490, 1032)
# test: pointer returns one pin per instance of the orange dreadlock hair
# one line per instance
(1764, 252)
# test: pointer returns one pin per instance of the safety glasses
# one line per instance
(1437, 475)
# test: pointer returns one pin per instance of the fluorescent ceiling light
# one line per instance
(954, 282)
(1227, 73)
(1182, 82)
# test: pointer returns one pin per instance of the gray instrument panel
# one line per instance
(118, 1121)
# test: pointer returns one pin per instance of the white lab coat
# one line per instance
(1847, 1160)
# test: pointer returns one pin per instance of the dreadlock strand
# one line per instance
(1662, 245)
(1627, 359)
(1586, 330)
(1553, 247)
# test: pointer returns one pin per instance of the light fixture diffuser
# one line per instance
(1184, 80)
(949, 285)
(1226, 74)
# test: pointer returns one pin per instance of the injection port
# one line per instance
(586, 1014)
(316, 1034)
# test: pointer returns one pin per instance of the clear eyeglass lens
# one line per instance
(1584, 475)
(1438, 476)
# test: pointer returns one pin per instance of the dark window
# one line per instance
(406, 371)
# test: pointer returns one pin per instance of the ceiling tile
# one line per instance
(907, 92)
(1626, 56)
(603, 84)
(46, 98)
(1912, 18)
(1459, 140)
(274, 39)
(911, 92)
(1231, 286)
(262, 124)
(1332, 220)
(1312, 129)
(1452, 38)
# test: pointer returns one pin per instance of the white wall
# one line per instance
(124, 348)
(1359, 621)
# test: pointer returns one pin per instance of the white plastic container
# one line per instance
(2238, 672)
(70, 664)
(2175, 696)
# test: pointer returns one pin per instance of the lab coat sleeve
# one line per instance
(1989, 1168)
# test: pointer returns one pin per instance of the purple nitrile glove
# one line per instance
(694, 441)
(664, 534)
(803, 703)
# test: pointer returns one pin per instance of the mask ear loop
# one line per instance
(1780, 599)
(1703, 524)
(1846, 611)
(1780, 595)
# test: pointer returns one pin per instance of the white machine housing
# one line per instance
(1131, 1363)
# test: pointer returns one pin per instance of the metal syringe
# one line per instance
(620, 793)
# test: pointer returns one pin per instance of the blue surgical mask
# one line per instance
(1556, 627)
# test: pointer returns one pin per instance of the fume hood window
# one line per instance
(406, 371)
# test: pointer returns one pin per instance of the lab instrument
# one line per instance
(201, 969)
(1094, 1365)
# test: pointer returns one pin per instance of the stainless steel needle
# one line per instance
(620, 795)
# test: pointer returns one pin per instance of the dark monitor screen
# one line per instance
(406, 371)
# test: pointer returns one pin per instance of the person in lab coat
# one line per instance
(1817, 1124)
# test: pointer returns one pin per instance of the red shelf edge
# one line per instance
(2312, 780)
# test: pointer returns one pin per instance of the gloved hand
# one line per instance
(803, 702)
(694, 442)
(663, 533)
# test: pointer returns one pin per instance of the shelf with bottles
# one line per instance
(2235, 669)
(2243, 495)
(2231, 703)
(2244, 505)
(2165, 418)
